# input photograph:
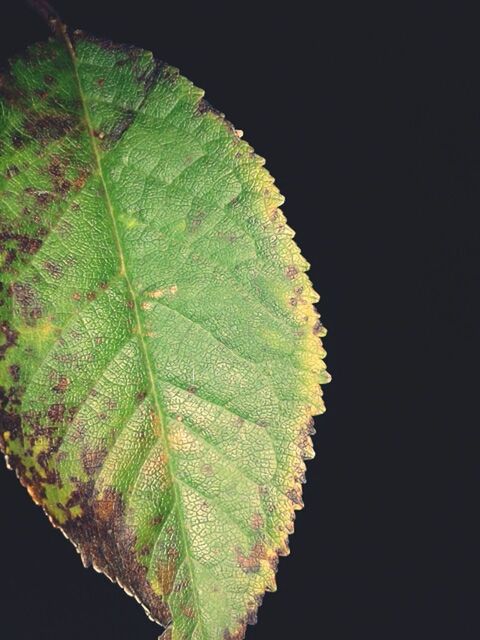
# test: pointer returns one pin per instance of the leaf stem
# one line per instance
(49, 14)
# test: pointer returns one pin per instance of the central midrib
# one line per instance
(160, 432)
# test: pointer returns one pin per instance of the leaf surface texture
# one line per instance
(160, 355)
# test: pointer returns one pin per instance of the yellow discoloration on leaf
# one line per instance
(42, 331)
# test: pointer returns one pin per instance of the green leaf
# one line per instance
(160, 356)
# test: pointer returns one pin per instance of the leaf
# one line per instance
(160, 356)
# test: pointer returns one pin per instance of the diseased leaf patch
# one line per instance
(160, 355)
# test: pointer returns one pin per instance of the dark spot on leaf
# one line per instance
(17, 140)
(236, 635)
(295, 495)
(8, 90)
(252, 617)
(92, 460)
(29, 245)
(207, 469)
(291, 272)
(62, 385)
(251, 562)
(42, 198)
(56, 168)
(56, 412)
(10, 257)
(50, 475)
(205, 107)
(120, 127)
(310, 427)
(79, 183)
(47, 128)
(106, 541)
(11, 172)
(10, 338)
(27, 300)
(196, 219)
(11, 423)
(317, 328)
(53, 269)
(14, 371)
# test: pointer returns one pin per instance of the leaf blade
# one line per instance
(186, 419)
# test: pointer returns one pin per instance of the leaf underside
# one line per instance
(160, 355)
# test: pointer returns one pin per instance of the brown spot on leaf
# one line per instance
(166, 576)
(106, 541)
(27, 300)
(14, 371)
(10, 338)
(257, 521)
(295, 496)
(239, 634)
(11, 425)
(62, 385)
(251, 562)
(310, 426)
(196, 219)
(205, 107)
(188, 612)
(47, 128)
(79, 182)
(29, 245)
(24, 243)
(167, 634)
(56, 412)
(120, 126)
(53, 269)
(317, 328)
(291, 272)
(42, 198)
(17, 140)
(11, 172)
(92, 460)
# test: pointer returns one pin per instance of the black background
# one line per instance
(369, 117)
